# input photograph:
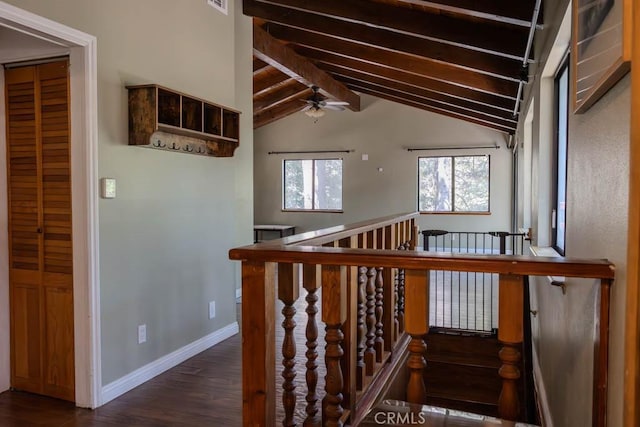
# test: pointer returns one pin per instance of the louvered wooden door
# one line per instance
(40, 252)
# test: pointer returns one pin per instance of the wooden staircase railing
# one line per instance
(374, 305)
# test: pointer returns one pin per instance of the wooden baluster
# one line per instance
(313, 419)
(389, 297)
(370, 352)
(396, 305)
(379, 341)
(288, 294)
(349, 341)
(510, 335)
(258, 348)
(334, 313)
(417, 326)
(361, 330)
(401, 288)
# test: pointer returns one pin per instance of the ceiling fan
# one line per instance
(317, 104)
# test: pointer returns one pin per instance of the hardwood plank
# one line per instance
(418, 98)
(507, 11)
(277, 112)
(268, 79)
(461, 84)
(374, 17)
(289, 62)
(444, 112)
(288, 91)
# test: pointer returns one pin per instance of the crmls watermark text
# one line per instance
(400, 418)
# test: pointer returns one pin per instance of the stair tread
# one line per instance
(466, 360)
(480, 399)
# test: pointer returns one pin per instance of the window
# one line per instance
(453, 184)
(312, 185)
(558, 220)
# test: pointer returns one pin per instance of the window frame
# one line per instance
(453, 191)
(313, 183)
(563, 69)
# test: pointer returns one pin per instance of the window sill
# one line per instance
(551, 253)
(312, 210)
(455, 213)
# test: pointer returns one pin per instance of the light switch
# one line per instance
(108, 188)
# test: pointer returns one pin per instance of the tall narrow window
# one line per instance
(453, 184)
(312, 185)
(559, 217)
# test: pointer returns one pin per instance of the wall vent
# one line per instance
(221, 5)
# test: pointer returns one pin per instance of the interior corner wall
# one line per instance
(164, 240)
(244, 154)
(597, 206)
(383, 130)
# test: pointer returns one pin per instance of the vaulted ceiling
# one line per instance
(461, 58)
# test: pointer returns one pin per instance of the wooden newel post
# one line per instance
(334, 313)
(417, 326)
(510, 335)
(258, 344)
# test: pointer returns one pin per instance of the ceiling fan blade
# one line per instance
(333, 107)
(336, 103)
(308, 107)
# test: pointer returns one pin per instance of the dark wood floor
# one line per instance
(203, 391)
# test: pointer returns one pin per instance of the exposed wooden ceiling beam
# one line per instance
(288, 91)
(397, 47)
(339, 65)
(507, 123)
(400, 100)
(277, 112)
(386, 18)
(270, 50)
(516, 12)
(268, 79)
(441, 72)
(350, 77)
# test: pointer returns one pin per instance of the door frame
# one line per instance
(631, 413)
(84, 152)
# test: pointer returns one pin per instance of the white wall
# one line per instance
(383, 130)
(164, 239)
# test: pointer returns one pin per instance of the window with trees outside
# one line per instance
(558, 223)
(312, 185)
(453, 184)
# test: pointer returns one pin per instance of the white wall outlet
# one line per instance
(212, 309)
(142, 334)
(108, 188)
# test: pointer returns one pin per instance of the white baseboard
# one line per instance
(147, 372)
(238, 293)
(541, 391)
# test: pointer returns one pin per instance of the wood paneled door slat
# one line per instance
(40, 249)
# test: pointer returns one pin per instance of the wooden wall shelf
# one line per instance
(155, 108)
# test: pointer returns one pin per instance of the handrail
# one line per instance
(375, 308)
(416, 260)
(338, 232)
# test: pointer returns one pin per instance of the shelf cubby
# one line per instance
(155, 108)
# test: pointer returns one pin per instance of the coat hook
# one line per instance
(159, 144)
(187, 148)
(173, 146)
(200, 150)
